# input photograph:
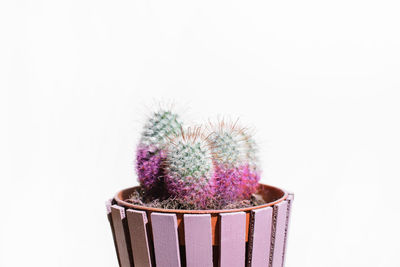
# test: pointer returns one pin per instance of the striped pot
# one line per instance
(254, 236)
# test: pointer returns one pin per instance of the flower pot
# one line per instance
(254, 236)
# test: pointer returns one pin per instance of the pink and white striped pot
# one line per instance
(255, 236)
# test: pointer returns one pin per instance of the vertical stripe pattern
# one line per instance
(198, 244)
(233, 243)
(109, 217)
(158, 243)
(280, 211)
(165, 237)
(260, 237)
(137, 222)
(288, 214)
(119, 223)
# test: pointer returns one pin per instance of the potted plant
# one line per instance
(199, 202)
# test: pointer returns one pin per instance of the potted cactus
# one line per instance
(199, 202)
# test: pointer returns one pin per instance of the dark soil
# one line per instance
(140, 198)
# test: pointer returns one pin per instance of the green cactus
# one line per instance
(150, 154)
(235, 159)
(232, 145)
(249, 148)
(160, 125)
(189, 166)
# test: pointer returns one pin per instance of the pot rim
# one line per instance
(120, 201)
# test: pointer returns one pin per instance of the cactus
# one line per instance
(235, 158)
(151, 149)
(202, 168)
(250, 149)
(189, 167)
(160, 125)
(220, 166)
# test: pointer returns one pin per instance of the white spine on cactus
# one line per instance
(189, 158)
(250, 149)
(160, 125)
(232, 145)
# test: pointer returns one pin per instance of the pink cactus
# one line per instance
(235, 157)
(234, 183)
(149, 160)
(189, 167)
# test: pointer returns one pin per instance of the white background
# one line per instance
(319, 80)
